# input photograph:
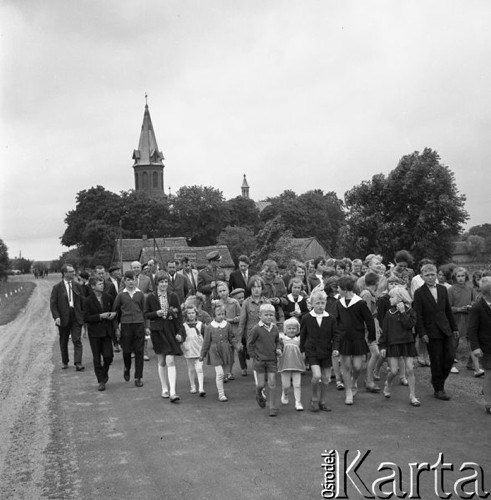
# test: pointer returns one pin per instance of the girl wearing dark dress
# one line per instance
(163, 310)
(397, 340)
(353, 318)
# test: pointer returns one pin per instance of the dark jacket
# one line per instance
(318, 341)
(433, 318)
(479, 326)
(97, 327)
(173, 319)
(60, 307)
(179, 285)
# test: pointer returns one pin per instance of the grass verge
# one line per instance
(13, 298)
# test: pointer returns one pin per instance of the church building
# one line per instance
(148, 165)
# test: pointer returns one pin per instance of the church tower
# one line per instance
(148, 166)
(245, 188)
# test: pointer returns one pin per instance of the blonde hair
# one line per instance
(399, 292)
(291, 322)
(318, 293)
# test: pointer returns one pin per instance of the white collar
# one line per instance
(136, 289)
(292, 299)
(325, 314)
(353, 300)
(261, 323)
(215, 324)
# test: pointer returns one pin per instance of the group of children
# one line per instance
(329, 332)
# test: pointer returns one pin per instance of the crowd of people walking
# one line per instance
(335, 318)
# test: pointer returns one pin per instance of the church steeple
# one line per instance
(245, 188)
(148, 165)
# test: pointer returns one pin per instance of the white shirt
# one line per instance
(69, 292)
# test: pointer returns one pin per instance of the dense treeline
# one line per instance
(416, 206)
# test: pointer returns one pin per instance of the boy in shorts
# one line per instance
(263, 346)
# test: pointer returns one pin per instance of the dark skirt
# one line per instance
(356, 347)
(165, 343)
(407, 350)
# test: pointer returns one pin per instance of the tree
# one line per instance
(22, 264)
(243, 213)
(313, 213)
(4, 261)
(416, 207)
(239, 240)
(200, 214)
(274, 242)
(141, 214)
(96, 208)
(475, 246)
(484, 231)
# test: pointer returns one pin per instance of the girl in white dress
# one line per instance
(191, 349)
(290, 363)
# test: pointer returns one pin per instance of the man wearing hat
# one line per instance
(208, 277)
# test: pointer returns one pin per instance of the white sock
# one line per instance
(164, 381)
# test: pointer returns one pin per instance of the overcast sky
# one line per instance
(296, 94)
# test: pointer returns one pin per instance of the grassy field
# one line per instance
(13, 298)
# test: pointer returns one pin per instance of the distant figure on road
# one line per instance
(66, 306)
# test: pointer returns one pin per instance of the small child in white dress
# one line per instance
(290, 363)
(191, 349)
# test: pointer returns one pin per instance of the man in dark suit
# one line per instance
(240, 278)
(100, 324)
(436, 326)
(66, 304)
(190, 274)
(177, 283)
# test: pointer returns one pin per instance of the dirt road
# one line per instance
(61, 438)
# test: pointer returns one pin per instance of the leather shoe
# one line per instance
(117, 348)
(323, 407)
(79, 367)
(102, 387)
(126, 375)
(442, 395)
(139, 382)
(64, 367)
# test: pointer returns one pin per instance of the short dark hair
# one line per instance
(160, 276)
(340, 263)
(253, 280)
(65, 267)
(93, 280)
(184, 260)
(317, 260)
(346, 283)
(403, 256)
(371, 279)
(245, 259)
(129, 275)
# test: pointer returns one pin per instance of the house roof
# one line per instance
(131, 248)
(261, 205)
(197, 255)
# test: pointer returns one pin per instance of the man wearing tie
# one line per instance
(143, 283)
(190, 274)
(66, 304)
(240, 278)
(436, 326)
(177, 283)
